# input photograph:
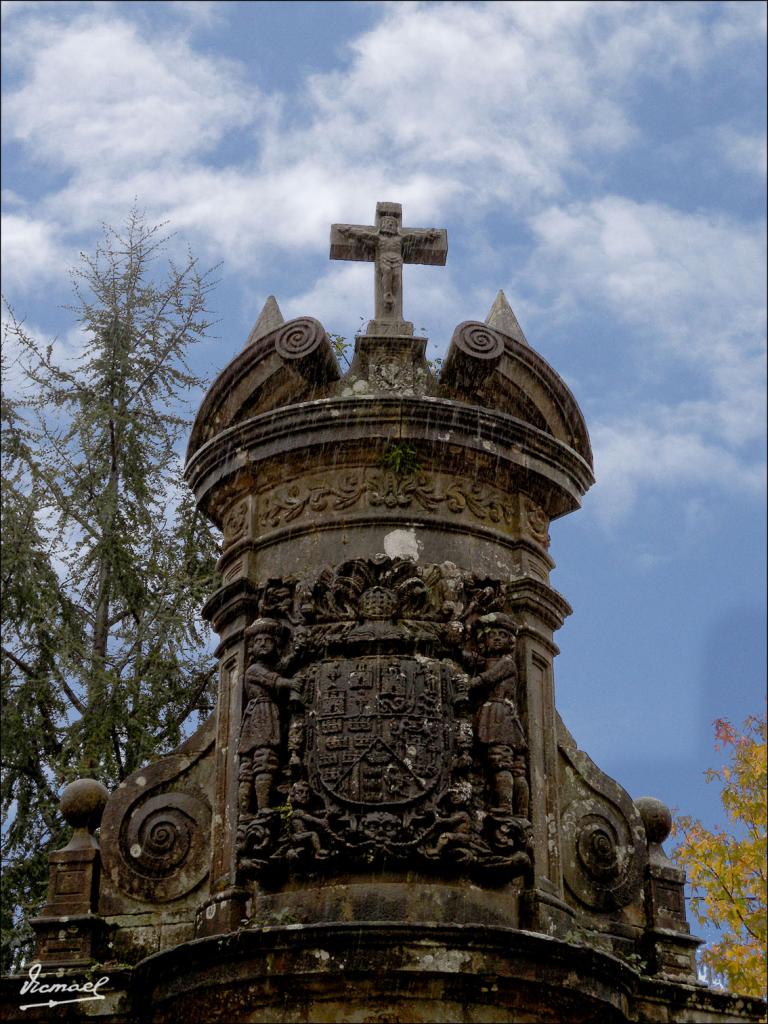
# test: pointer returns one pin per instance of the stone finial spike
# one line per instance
(269, 318)
(502, 317)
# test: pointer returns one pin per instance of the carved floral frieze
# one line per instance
(381, 489)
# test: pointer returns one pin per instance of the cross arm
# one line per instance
(425, 246)
(353, 242)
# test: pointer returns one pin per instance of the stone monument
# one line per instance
(385, 820)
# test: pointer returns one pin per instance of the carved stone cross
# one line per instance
(389, 245)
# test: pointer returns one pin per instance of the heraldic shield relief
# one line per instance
(380, 729)
(381, 723)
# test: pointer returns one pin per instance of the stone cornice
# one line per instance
(435, 423)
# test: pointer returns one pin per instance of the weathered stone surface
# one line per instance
(295, 974)
(269, 319)
(396, 739)
(156, 852)
(270, 372)
(385, 820)
(502, 318)
(474, 353)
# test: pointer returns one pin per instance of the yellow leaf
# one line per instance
(726, 871)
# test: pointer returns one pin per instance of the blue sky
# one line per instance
(603, 163)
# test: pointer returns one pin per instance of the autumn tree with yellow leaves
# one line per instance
(727, 868)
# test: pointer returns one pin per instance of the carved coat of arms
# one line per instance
(390, 740)
(380, 729)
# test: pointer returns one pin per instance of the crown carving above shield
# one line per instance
(378, 603)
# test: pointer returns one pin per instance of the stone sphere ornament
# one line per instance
(82, 803)
(656, 816)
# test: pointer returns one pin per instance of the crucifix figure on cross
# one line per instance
(389, 245)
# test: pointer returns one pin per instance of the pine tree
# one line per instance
(105, 560)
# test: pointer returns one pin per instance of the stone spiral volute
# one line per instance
(478, 340)
(474, 353)
(303, 345)
(299, 338)
(164, 845)
(602, 861)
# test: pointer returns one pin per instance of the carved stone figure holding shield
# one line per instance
(497, 723)
(260, 732)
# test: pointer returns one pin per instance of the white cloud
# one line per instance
(30, 249)
(98, 96)
(736, 22)
(244, 214)
(510, 97)
(344, 288)
(654, 265)
(744, 151)
(635, 454)
(493, 100)
(11, 8)
(444, 106)
(499, 114)
(200, 13)
(690, 287)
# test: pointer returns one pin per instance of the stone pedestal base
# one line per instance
(389, 328)
(68, 941)
(413, 902)
(671, 954)
(223, 913)
(385, 973)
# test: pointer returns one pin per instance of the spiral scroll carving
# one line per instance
(164, 845)
(478, 341)
(602, 861)
(299, 338)
(597, 847)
